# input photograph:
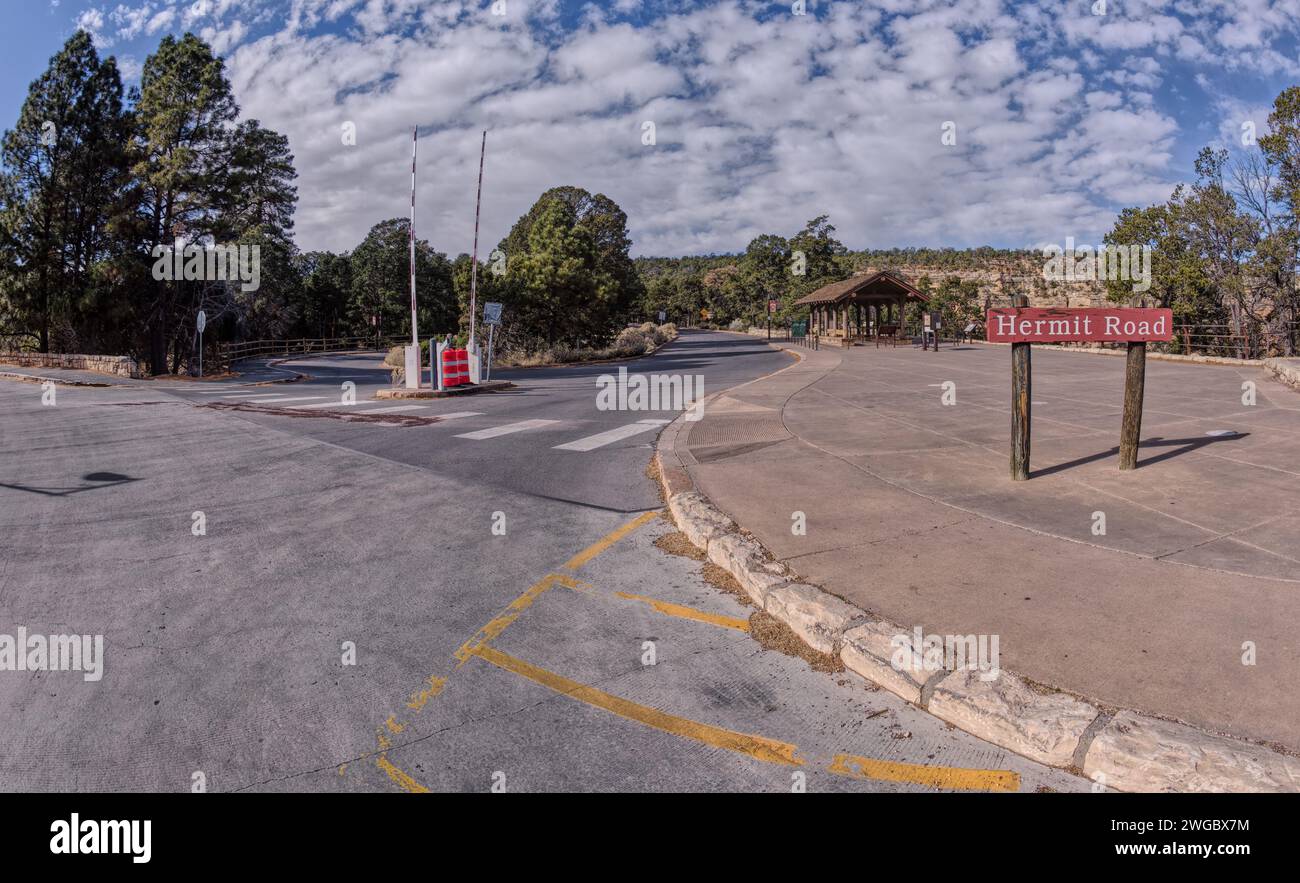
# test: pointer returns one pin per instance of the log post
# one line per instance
(1020, 403)
(1135, 377)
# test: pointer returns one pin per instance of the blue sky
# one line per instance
(1064, 112)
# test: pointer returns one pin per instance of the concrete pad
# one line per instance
(910, 521)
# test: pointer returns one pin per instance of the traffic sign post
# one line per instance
(201, 322)
(1022, 326)
(491, 318)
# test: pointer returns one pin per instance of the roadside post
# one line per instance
(1021, 401)
(436, 348)
(771, 311)
(491, 318)
(200, 323)
(411, 365)
(931, 322)
(1135, 381)
(1022, 326)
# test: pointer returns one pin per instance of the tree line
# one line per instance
(98, 186)
(1225, 247)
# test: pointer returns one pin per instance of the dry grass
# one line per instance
(772, 634)
(652, 472)
(719, 578)
(675, 543)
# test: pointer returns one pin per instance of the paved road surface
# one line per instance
(517, 657)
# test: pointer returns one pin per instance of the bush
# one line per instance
(631, 342)
(738, 325)
(634, 341)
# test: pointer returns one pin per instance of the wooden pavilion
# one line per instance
(871, 305)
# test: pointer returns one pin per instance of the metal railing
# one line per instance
(248, 349)
(1224, 341)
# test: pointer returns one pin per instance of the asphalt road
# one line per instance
(406, 602)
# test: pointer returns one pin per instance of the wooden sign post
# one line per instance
(1021, 401)
(1135, 381)
(1021, 326)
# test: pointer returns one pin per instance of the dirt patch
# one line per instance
(675, 543)
(772, 634)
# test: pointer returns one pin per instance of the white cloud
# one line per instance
(760, 125)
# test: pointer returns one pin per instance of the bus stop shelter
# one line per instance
(862, 307)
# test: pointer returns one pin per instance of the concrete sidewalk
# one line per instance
(911, 515)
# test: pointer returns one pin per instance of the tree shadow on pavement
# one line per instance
(97, 480)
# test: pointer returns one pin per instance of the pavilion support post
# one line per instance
(1021, 392)
(1135, 378)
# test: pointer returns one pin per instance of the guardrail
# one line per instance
(248, 349)
(1256, 342)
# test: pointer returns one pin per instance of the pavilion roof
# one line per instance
(849, 289)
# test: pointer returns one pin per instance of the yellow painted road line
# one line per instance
(757, 747)
(420, 699)
(608, 540)
(955, 778)
(667, 608)
(401, 779)
(477, 645)
(498, 625)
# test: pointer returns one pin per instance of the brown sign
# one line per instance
(1062, 324)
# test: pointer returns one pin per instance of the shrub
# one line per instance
(631, 342)
(635, 341)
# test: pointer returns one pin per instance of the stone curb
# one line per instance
(1127, 751)
(425, 393)
(36, 378)
(1284, 371)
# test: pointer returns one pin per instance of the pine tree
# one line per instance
(63, 174)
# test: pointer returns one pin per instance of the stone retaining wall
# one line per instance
(117, 366)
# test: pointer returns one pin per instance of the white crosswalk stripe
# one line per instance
(259, 395)
(600, 439)
(398, 408)
(287, 399)
(507, 429)
(456, 415)
(340, 404)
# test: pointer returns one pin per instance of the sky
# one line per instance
(716, 121)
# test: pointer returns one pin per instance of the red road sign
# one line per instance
(771, 306)
(1056, 324)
